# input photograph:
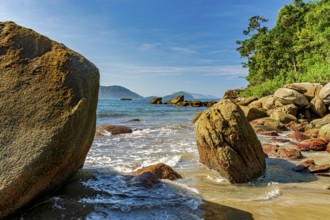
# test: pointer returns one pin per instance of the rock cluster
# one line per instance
(48, 99)
(294, 101)
(179, 101)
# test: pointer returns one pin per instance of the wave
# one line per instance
(117, 199)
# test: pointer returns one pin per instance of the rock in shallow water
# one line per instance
(161, 170)
(104, 129)
(48, 98)
(227, 143)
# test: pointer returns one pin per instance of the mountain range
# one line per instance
(119, 92)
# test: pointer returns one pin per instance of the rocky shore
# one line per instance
(180, 101)
(296, 118)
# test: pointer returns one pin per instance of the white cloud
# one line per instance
(140, 71)
(183, 50)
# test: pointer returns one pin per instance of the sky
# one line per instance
(152, 47)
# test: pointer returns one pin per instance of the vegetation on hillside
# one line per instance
(296, 49)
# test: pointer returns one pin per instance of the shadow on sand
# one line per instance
(214, 211)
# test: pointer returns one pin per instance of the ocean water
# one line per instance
(165, 133)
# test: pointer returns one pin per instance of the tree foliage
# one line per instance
(295, 47)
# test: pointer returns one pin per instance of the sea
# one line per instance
(165, 134)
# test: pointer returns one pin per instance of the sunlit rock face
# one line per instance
(48, 98)
(228, 144)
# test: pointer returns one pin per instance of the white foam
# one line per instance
(273, 193)
(217, 179)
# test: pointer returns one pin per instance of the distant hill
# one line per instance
(189, 96)
(117, 92)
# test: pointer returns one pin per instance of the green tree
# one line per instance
(295, 49)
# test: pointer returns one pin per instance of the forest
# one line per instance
(296, 49)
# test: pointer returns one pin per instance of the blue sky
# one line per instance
(152, 47)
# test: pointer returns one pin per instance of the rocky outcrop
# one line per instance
(157, 100)
(161, 171)
(106, 129)
(48, 98)
(176, 100)
(227, 143)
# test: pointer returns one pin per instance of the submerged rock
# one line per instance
(105, 129)
(227, 143)
(47, 114)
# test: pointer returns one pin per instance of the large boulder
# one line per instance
(309, 90)
(318, 106)
(290, 96)
(47, 114)
(325, 94)
(227, 143)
